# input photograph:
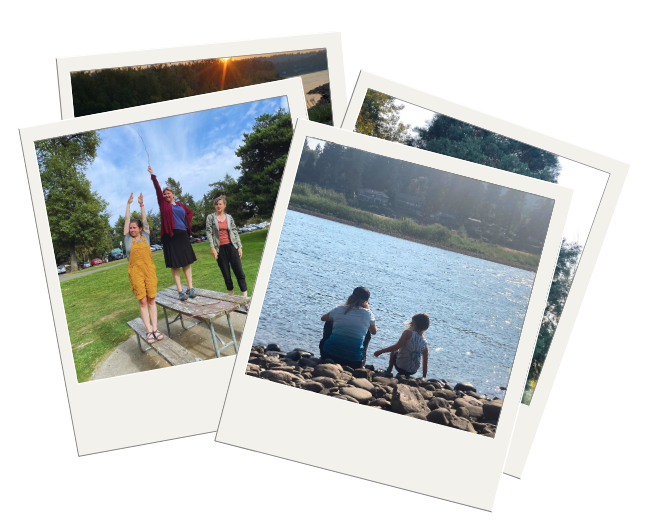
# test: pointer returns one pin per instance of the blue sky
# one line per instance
(195, 149)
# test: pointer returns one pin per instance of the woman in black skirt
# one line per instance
(175, 230)
(226, 246)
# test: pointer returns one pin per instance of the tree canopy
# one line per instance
(78, 217)
(380, 117)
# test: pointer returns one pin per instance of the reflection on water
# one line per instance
(476, 307)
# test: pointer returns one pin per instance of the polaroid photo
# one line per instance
(167, 194)
(100, 83)
(379, 333)
(388, 110)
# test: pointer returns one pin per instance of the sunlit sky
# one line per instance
(195, 149)
(588, 184)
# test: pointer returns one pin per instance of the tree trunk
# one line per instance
(72, 257)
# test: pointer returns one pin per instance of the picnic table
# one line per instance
(206, 307)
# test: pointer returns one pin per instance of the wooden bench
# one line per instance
(172, 352)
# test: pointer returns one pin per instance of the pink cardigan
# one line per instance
(167, 219)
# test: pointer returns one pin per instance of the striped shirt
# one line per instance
(346, 340)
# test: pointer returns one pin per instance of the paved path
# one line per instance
(67, 276)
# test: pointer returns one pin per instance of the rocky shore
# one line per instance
(431, 400)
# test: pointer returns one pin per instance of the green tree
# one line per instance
(78, 217)
(380, 117)
(263, 155)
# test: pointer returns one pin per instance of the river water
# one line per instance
(476, 307)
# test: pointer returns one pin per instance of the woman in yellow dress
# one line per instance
(141, 268)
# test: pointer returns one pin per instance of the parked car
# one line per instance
(84, 265)
(61, 269)
(115, 255)
(154, 247)
(96, 261)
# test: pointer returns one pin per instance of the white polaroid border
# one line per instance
(350, 438)
(528, 418)
(155, 405)
(330, 41)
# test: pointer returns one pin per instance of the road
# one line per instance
(67, 276)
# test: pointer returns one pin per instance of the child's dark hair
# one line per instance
(137, 221)
(419, 322)
(357, 298)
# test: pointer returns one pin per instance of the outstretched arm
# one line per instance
(157, 187)
(404, 337)
(126, 225)
(144, 219)
(425, 361)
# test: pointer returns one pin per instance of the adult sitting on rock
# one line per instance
(348, 330)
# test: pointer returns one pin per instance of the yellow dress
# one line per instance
(142, 270)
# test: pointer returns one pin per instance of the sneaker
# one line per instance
(191, 293)
(183, 296)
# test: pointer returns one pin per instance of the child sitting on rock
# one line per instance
(410, 348)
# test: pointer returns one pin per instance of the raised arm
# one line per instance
(404, 337)
(157, 187)
(126, 225)
(144, 219)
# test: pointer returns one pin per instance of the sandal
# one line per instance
(150, 338)
(157, 335)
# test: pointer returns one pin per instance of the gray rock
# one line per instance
(378, 391)
(439, 416)
(308, 362)
(492, 410)
(463, 412)
(362, 373)
(326, 381)
(462, 424)
(361, 395)
(385, 381)
(293, 355)
(325, 369)
(425, 393)
(437, 383)
(474, 395)
(438, 402)
(277, 376)
(348, 398)
(465, 387)
(474, 411)
(381, 402)
(273, 347)
(363, 383)
(406, 399)
(445, 393)
(345, 376)
(316, 387)
(431, 387)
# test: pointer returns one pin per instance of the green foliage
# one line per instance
(379, 117)
(321, 113)
(262, 158)
(78, 217)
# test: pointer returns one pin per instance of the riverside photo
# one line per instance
(383, 291)
(384, 116)
(158, 229)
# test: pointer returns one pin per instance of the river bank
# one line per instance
(481, 256)
(431, 400)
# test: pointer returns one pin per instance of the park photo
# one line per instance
(386, 117)
(158, 229)
(395, 286)
(96, 91)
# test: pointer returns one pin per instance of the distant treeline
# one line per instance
(120, 88)
(330, 203)
(398, 189)
(296, 64)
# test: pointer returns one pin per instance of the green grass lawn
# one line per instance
(99, 306)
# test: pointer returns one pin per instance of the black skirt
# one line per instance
(177, 250)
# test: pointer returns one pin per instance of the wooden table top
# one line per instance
(206, 306)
